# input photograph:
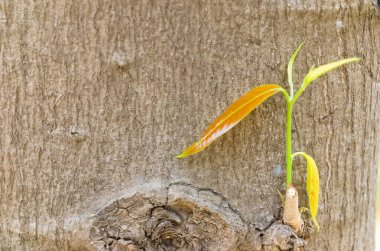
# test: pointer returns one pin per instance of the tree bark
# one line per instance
(97, 98)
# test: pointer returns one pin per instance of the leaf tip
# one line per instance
(353, 59)
(316, 225)
(181, 156)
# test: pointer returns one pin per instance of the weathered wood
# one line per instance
(97, 98)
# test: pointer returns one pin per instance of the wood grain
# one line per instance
(99, 96)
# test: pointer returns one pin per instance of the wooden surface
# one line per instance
(97, 97)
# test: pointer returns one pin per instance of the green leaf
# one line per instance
(321, 70)
(290, 69)
(233, 115)
(312, 186)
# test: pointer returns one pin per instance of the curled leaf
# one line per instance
(312, 186)
(232, 116)
(290, 69)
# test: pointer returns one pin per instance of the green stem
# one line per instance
(291, 86)
(298, 93)
(289, 110)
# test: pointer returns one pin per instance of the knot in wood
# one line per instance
(162, 229)
(182, 217)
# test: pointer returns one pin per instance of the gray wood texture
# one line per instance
(97, 97)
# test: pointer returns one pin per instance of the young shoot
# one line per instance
(253, 98)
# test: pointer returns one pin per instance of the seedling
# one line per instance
(247, 103)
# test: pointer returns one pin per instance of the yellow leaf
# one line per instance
(312, 186)
(232, 116)
(320, 70)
